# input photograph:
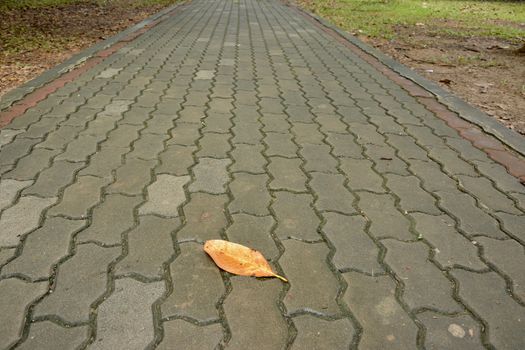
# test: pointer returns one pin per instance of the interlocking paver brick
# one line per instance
(385, 324)
(10, 189)
(79, 149)
(275, 123)
(315, 291)
(43, 248)
(318, 158)
(198, 285)
(471, 219)
(295, 216)
(250, 323)
(344, 145)
(254, 231)
(445, 332)
(307, 133)
(125, 319)
(7, 135)
(79, 197)
(386, 160)
(214, 145)
(79, 282)
(316, 333)
(514, 224)
(247, 132)
(28, 167)
(16, 150)
(59, 138)
(287, 174)
(425, 286)
(193, 337)
(176, 160)
(132, 177)
(490, 198)
(361, 176)
(412, 196)
(153, 234)
(331, 193)
(248, 158)
(51, 180)
(509, 257)
(210, 175)
(6, 254)
(165, 195)
(17, 295)
(385, 220)
(148, 146)
(355, 250)
(501, 314)
(22, 218)
(250, 194)
(450, 247)
(110, 219)
(205, 217)
(280, 145)
(48, 336)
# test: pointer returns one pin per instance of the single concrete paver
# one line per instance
(247, 121)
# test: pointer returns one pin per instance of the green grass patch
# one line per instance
(375, 18)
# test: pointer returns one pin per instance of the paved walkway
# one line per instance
(242, 120)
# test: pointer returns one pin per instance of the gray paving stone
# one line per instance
(22, 218)
(514, 224)
(79, 282)
(51, 180)
(16, 150)
(450, 247)
(250, 194)
(79, 149)
(355, 250)
(191, 337)
(48, 336)
(331, 193)
(132, 177)
(307, 133)
(361, 176)
(165, 195)
(7, 135)
(17, 295)
(433, 179)
(29, 166)
(194, 271)
(125, 319)
(210, 175)
(59, 138)
(425, 285)
(500, 176)
(110, 219)
(445, 332)
(176, 160)
(149, 247)
(122, 136)
(407, 147)
(486, 295)
(295, 216)
(373, 303)
(472, 220)
(344, 145)
(280, 145)
(275, 123)
(6, 254)
(204, 216)
(412, 197)
(509, 257)
(318, 158)
(315, 291)
(386, 161)
(316, 333)
(489, 197)
(451, 162)
(258, 321)
(255, 232)
(287, 174)
(79, 197)
(148, 146)
(248, 158)
(385, 220)
(10, 189)
(43, 248)
(214, 145)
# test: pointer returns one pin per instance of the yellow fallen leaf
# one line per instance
(238, 259)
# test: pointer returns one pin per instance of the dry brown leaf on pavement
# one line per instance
(239, 260)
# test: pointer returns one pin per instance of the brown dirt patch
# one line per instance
(34, 40)
(488, 73)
